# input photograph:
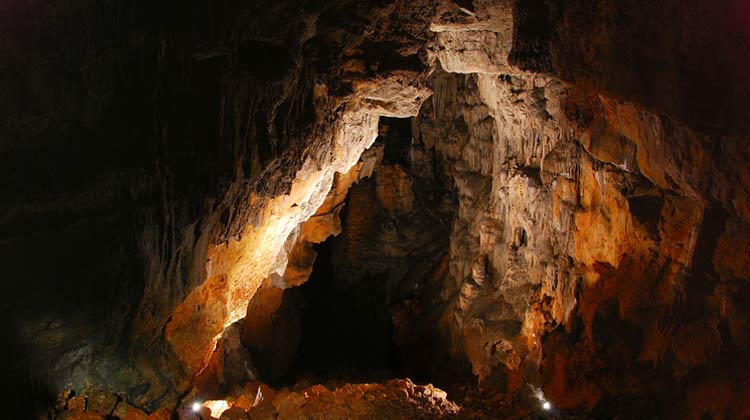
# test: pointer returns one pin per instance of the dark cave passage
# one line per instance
(346, 306)
(347, 331)
(371, 275)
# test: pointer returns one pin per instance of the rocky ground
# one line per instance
(397, 399)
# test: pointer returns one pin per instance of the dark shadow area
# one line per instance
(346, 327)
(647, 210)
(398, 141)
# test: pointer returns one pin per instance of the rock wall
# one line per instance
(142, 141)
(570, 260)
(587, 245)
(164, 162)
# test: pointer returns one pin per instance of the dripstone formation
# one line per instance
(519, 201)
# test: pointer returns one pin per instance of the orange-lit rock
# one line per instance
(236, 269)
(235, 413)
(244, 402)
(394, 190)
(126, 411)
(568, 209)
(102, 402)
(77, 404)
(398, 399)
(579, 211)
(162, 413)
(603, 228)
(84, 416)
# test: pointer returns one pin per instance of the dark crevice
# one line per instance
(346, 327)
(647, 210)
(397, 140)
(703, 277)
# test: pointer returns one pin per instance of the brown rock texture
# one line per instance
(180, 233)
(571, 221)
(563, 206)
(394, 400)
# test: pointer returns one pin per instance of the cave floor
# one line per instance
(396, 399)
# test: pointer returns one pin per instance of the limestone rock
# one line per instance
(82, 416)
(398, 399)
(570, 206)
(102, 402)
(77, 404)
(126, 411)
(235, 413)
(162, 413)
(61, 402)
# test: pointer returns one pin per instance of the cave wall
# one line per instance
(163, 162)
(142, 140)
(682, 58)
(591, 230)
(572, 266)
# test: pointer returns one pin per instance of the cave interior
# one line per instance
(391, 209)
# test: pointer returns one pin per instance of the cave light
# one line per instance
(539, 394)
(196, 407)
(217, 407)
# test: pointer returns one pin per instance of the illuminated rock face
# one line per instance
(186, 177)
(236, 269)
(587, 243)
(572, 253)
(398, 399)
(170, 170)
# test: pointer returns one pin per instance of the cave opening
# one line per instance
(347, 332)
(362, 312)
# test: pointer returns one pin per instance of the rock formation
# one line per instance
(548, 198)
